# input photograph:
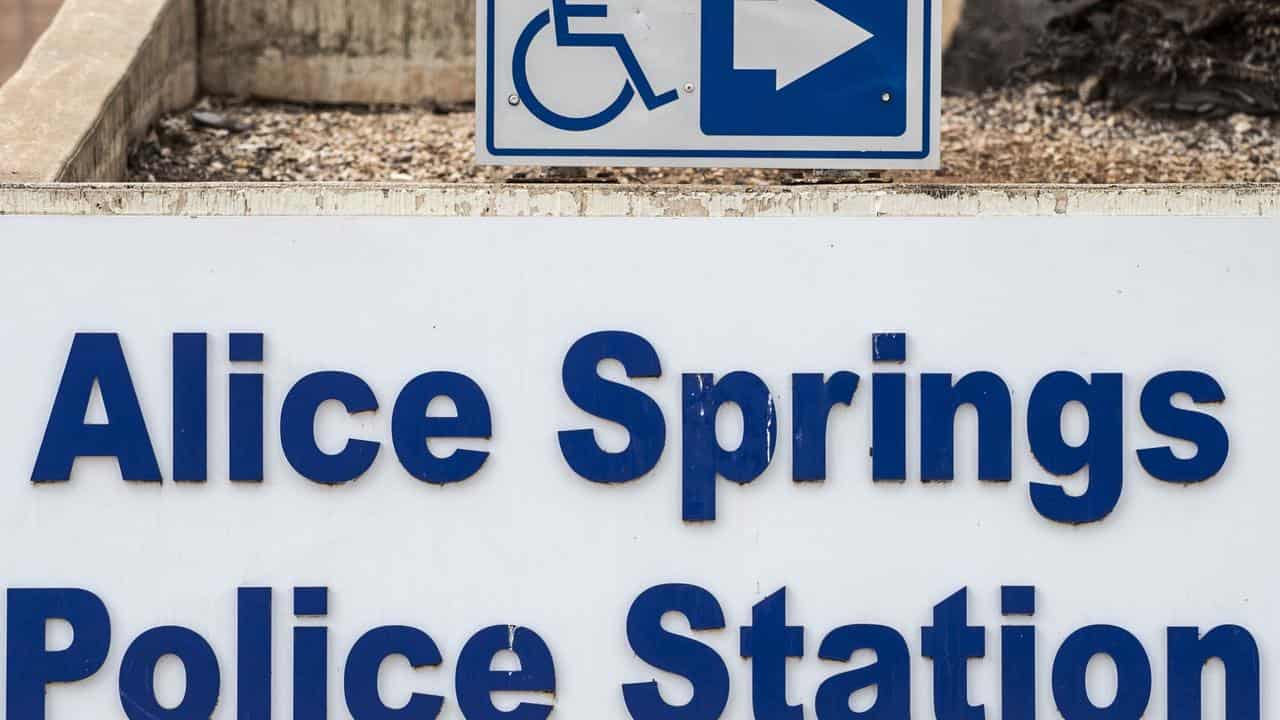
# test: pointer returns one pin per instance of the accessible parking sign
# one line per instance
(757, 83)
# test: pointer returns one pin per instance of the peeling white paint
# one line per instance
(768, 432)
(513, 200)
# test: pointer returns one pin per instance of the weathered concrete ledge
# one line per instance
(95, 82)
(513, 200)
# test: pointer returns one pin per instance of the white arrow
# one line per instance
(791, 37)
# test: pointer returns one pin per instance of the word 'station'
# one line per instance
(98, 360)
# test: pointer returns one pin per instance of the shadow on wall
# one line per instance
(340, 51)
(21, 22)
(992, 37)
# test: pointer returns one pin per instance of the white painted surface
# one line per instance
(527, 542)
(811, 35)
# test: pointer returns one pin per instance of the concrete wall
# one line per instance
(21, 22)
(365, 51)
(93, 83)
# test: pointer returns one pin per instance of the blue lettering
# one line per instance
(630, 408)
(360, 681)
(297, 427)
(951, 642)
(890, 674)
(813, 397)
(1188, 654)
(704, 459)
(1133, 674)
(138, 671)
(476, 682)
(30, 666)
(96, 358)
(686, 657)
(412, 429)
(939, 401)
(1102, 452)
(1204, 430)
(768, 642)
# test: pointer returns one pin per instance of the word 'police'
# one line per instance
(97, 359)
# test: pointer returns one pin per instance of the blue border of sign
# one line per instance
(711, 154)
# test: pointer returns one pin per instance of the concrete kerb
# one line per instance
(94, 82)
(513, 200)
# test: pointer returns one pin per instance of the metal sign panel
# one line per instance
(624, 469)
(768, 83)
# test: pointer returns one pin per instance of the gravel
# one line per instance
(1033, 133)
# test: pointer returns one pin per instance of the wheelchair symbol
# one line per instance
(636, 82)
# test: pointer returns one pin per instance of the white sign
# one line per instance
(627, 464)
(755, 83)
